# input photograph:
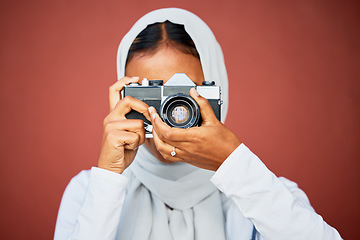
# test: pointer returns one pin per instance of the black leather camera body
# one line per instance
(172, 101)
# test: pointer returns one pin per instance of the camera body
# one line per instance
(172, 101)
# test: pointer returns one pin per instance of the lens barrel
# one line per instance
(180, 111)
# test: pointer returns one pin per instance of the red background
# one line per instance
(294, 70)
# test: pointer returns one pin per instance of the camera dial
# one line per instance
(208, 83)
(156, 82)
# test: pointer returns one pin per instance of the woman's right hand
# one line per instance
(121, 136)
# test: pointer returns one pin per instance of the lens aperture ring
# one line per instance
(180, 111)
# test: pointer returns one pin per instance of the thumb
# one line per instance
(206, 111)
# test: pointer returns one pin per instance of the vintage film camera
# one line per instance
(172, 100)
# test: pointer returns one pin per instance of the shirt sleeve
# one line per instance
(91, 206)
(277, 207)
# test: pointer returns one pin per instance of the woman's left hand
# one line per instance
(206, 146)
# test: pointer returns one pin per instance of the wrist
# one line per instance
(111, 167)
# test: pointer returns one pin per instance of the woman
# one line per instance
(167, 189)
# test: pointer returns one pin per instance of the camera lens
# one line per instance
(180, 114)
(180, 111)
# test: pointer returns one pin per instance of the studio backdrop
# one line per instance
(294, 72)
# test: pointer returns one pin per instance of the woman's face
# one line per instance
(163, 65)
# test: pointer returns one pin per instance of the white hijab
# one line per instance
(174, 201)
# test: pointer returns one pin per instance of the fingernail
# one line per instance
(196, 92)
(150, 110)
(137, 78)
(153, 115)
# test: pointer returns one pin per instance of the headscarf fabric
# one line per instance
(211, 56)
(173, 201)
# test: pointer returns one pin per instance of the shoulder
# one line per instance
(82, 177)
(71, 202)
(79, 182)
(76, 189)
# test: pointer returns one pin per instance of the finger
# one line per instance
(165, 149)
(124, 106)
(115, 89)
(127, 140)
(130, 125)
(166, 133)
(206, 111)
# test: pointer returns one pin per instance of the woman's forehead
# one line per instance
(163, 64)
